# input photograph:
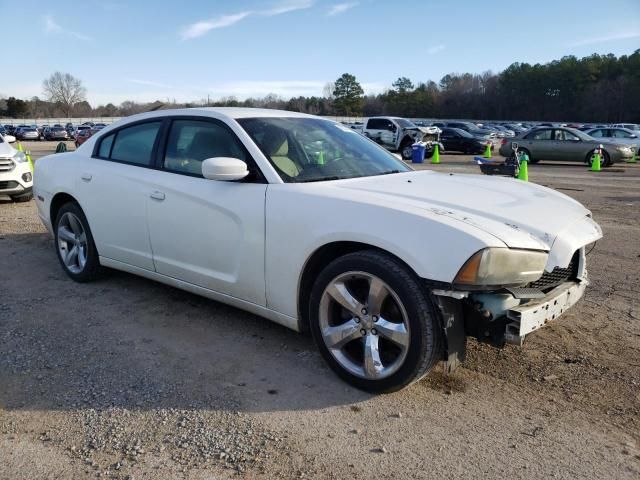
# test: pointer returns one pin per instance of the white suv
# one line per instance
(16, 179)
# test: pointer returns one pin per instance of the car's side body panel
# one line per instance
(300, 219)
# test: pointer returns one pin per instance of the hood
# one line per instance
(6, 150)
(520, 214)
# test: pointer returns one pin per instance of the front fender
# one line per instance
(300, 219)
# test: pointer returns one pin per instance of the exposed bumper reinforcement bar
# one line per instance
(535, 314)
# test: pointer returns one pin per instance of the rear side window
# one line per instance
(135, 144)
(105, 146)
(541, 135)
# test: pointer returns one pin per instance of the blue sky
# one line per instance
(186, 50)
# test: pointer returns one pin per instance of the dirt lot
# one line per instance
(126, 378)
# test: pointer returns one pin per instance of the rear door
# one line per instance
(206, 232)
(540, 143)
(112, 190)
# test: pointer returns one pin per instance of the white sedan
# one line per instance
(305, 222)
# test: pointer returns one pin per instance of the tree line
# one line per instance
(597, 88)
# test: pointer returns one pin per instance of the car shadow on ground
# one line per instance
(124, 341)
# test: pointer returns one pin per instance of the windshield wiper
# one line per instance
(318, 179)
(388, 172)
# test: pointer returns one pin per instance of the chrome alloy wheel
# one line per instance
(72, 243)
(364, 325)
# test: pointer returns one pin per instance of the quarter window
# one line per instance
(105, 145)
(135, 144)
(192, 141)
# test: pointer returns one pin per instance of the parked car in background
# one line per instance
(628, 126)
(399, 134)
(97, 127)
(617, 135)
(457, 140)
(564, 144)
(28, 133)
(16, 179)
(71, 130)
(82, 135)
(56, 133)
(205, 200)
(471, 128)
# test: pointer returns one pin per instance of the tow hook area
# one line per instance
(450, 305)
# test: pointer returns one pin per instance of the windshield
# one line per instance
(404, 123)
(463, 133)
(313, 149)
(580, 134)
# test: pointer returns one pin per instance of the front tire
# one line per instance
(374, 323)
(406, 150)
(74, 244)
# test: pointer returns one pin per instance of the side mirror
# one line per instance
(224, 169)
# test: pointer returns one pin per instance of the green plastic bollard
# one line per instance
(523, 173)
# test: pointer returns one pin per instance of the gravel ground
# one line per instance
(126, 378)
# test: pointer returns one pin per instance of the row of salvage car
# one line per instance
(544, 142)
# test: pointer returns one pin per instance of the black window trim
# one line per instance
(154, 150)
(255, 174)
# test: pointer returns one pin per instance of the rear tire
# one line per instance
(74, 243)
(374, 293)
(531, 159)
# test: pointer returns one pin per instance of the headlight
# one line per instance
(623, 149)
(501, 267)
(20, 157)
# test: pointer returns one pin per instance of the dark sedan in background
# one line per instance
(458, 140)
(565, 144)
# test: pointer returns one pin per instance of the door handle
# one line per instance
(157, 195)
(86, 177)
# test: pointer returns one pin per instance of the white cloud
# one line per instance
(51, 26)
(608, 38)
(339, 8)
(435, 49)
(202, 27)
(288, 6)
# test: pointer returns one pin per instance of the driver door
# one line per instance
(206, 232)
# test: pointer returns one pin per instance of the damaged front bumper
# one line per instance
(535, 314)
(508, 315)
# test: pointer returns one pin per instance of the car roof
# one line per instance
(230, 113)
(239, 112)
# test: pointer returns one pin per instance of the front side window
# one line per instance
(192, 141)
(312, 149)
(135, 144)
(597, 133)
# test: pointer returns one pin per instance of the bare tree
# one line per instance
(65, 89)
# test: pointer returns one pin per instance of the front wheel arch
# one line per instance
(58, 200)
(320, 258)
